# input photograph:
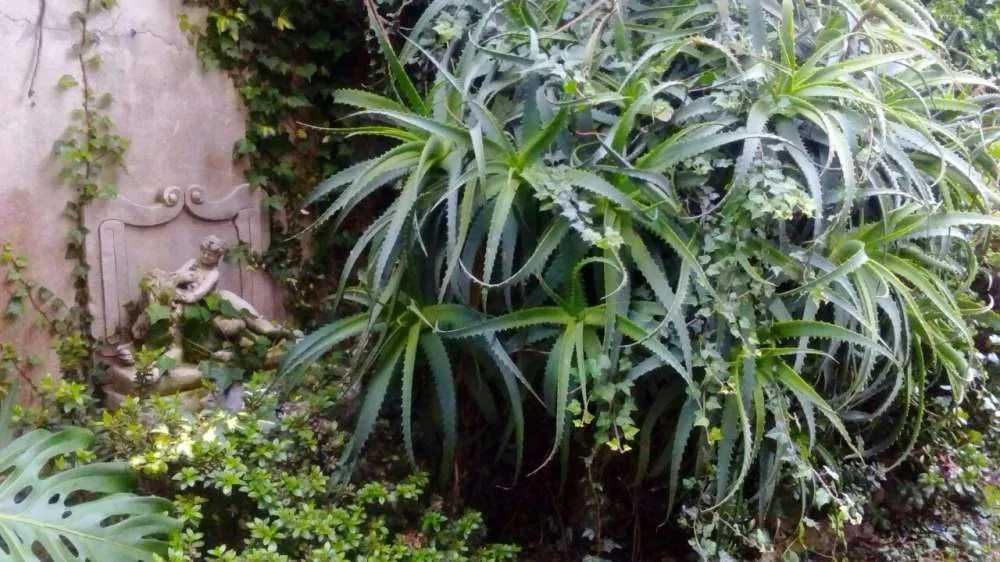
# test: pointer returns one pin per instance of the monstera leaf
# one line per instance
(76, 515)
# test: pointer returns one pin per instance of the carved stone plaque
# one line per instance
(132, 239)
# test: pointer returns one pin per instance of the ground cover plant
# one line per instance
(726, 248)
(256, 485)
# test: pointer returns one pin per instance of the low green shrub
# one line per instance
(258, 485)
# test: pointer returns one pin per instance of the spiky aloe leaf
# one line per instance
(367, 100)
(685, 424)
(807, 394)
(316, 344)
(515, 320)
(409, 365)
(857, 258)
(825, 330)
(402, 211)
(510, 375)
(535, 146)
(667, 396)
(501, 214)
(730, 437)
(401, 80)
(672, 151)
(444, 386)
(375, 393)
(563, 368)
(736, 426)
(758, 33)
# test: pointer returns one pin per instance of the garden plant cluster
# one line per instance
(609, 280)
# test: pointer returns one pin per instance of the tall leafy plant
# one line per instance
(736, 235)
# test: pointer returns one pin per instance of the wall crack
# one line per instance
(17, 20)
(134, 32)
(108, 33)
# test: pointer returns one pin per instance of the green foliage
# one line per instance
(257, 485)
(27, 293)
(14, 365)
(52, 510)
(90, 153)
(949, 499)
(287, 58)
(718, 222)
(51, 314)
(970, 31)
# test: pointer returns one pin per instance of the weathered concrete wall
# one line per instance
(181, 121)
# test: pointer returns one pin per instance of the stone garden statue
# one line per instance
(169, 293)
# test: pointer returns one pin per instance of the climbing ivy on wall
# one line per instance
(90, 154)
(286, 58)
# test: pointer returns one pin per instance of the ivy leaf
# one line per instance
(306, 71)
(319, 41)
(165, 362)
(212, 302)
(44, 294)
(714, 435)
(67, 82)
(283, 23)
(275, 202)
(197, 314)
(157, 312)
(224, 376)
(227, 309)
(297, 102)
(108, 191)
(15, 308)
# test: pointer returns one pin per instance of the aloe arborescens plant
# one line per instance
(743, 227)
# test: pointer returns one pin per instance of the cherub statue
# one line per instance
(187, 285)
(198, 277)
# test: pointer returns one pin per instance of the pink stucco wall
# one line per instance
(182, 123)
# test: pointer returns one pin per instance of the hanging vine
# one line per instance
(286, 58)
(90, 154)
(36, 55)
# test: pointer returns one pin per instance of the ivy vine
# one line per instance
(50, 313)
(286, 58)
(90, 154)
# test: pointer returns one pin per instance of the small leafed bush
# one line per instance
(258, 485)
(731, 240)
